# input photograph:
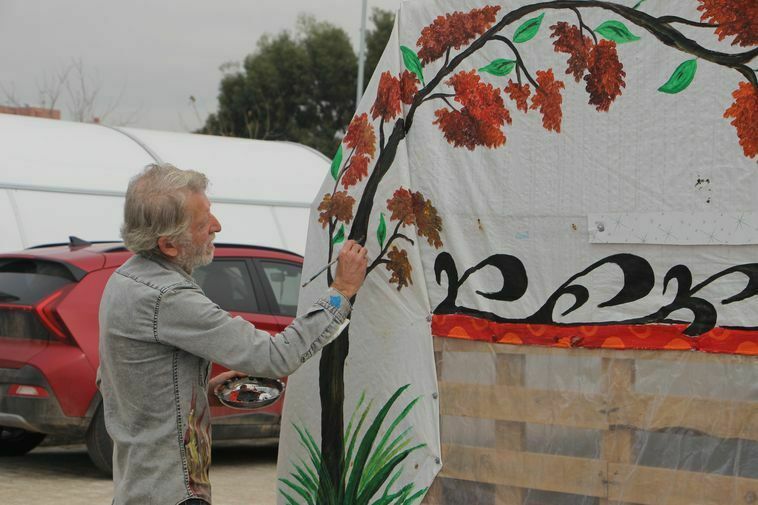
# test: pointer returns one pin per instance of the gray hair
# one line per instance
(154, 206)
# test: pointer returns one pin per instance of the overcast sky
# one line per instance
(153, 54)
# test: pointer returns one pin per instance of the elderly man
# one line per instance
(159, 333)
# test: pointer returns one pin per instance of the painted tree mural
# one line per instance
(471, 113)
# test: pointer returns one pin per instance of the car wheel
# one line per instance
(17, 442)
(99, 443)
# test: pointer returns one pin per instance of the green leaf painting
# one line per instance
(499, 67)
(412, 63)
(336, 163)
(340, 236)
(381, 231)
(681, 78)
(616, 31)
(528, 30)
(372, 461)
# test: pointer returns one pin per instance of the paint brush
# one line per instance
(320, 271)
(323, 269)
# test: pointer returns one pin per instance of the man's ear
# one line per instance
(167, 247)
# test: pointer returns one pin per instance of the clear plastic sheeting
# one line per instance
(534, 425)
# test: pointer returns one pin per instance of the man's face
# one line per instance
(196, 248)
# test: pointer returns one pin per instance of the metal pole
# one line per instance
(361, 56)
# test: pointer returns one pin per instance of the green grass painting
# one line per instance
(371, 463)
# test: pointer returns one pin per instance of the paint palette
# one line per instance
(249, 392)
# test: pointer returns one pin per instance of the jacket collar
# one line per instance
(169, 265)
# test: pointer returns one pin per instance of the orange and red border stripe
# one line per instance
(613, 336)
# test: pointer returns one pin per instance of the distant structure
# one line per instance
(61, 178)
(31, 111)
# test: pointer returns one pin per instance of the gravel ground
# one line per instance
(242, 474)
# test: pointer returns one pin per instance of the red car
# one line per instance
(49, 298)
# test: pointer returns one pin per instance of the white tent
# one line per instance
(560, 305)
(60, 178)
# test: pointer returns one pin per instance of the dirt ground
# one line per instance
(242, 474)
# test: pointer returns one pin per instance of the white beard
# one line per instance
(193, 256)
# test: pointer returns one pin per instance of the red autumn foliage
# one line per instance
(463, 130)
(734, 17)
(339, 206)
(411, 207)
(481, 118)
(391, 91)
(356, 170)
(744, 110)
(387, 103)
(454, 31)
(400, 267)
(606, 75)
(548, 99)
(401, 206)
(360, 136)
(482, 100)
(519, 93)
(569, 39)
(428, 221)
(408, 86)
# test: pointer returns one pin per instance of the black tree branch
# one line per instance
(345, 167)
(381, 136)
(439, 95)
(677, 19)
(583, 26)
(450, 104)
(519, 60)
(379, 259)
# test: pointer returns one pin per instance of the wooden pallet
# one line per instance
(502, 471)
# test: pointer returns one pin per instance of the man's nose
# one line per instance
(215, 224)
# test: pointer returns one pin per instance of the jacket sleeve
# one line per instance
(187, 319)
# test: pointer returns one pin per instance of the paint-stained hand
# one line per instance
(351, 268)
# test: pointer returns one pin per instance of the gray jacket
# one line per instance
(158, 335)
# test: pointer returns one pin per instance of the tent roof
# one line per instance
(60, 178)
(64, 154)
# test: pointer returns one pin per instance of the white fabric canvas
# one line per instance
(616, 199)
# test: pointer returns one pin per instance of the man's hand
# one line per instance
(217, 381)
(351, 268)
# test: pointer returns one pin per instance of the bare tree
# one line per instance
(9, 94)
(80, 90)
(51, 87)
(85, 103)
